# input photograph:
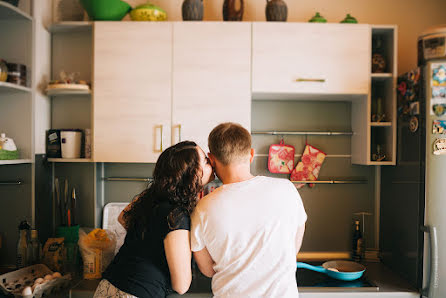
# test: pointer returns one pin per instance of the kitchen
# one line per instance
(197, 72)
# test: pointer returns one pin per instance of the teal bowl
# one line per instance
(106, 10)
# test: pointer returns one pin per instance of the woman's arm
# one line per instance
(121, 219)
(178, 254)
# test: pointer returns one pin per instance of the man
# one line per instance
(247, 233)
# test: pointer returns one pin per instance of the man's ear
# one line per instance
(212, 159)
(251, 158)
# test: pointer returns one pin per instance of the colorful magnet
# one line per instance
(439, 126)
(440, 146)
(439, 109)
(415, 108)
(413, 124)
(438, 92)
(438, 74)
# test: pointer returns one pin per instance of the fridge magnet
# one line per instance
(440, 146)
(439, 126)
(281, 158)
(415, 108)
(413, 124)
(438, 74)
(438, 109)
(309, 166)
(439, 92)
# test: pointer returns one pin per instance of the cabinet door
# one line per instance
(211, 78)
(132, 90)
(311, 58)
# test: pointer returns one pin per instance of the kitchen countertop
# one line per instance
(390, 285)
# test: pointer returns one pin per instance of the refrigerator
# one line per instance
(413, 193)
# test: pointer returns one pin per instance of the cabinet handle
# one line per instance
(179, 133)
(161, 142)
(310, 80)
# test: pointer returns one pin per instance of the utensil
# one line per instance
(341, 270)
(66, 202)
(59, 203)
(73, 207)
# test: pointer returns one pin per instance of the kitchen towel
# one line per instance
(281, 158)
(309, 166)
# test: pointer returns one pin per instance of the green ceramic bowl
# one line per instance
(106, 10)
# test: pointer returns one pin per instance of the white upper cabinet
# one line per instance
(310, 58)
(132, 91)
(211, 78)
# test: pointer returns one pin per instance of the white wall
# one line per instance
(412, 16)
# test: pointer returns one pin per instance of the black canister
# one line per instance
(192, 10)
(276, 11)
(17, 74)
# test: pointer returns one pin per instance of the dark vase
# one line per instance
(192, 10)
(230, 11)
(276, 11)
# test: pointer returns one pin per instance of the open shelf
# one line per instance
(67, 27)
(6, 87)
(10, 12)
(381, 124)
(382, 136)
(59, 92)
(15, 161)
(381, 76)
(69, 160)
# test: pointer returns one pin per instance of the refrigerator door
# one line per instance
(402, 186)
(435, 204)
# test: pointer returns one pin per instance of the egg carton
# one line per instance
(13, 283)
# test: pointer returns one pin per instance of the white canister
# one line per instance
(71, 141)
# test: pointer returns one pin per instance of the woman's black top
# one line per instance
(140, 267)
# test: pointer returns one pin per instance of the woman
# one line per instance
(156, 254)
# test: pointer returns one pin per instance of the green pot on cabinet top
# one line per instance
(349, 20)
(106, 10)
(317, 18)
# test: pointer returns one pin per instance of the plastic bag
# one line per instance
(97, 250)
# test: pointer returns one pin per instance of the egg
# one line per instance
(38, 281)
(27, 291)
(33, 288)
(57, 275)
(48, 277)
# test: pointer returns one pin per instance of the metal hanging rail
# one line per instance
(10, 183)
(128, 179)
(331, 182)
(304, 133)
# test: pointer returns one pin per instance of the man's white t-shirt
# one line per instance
(250, 229)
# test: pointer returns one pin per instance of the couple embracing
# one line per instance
(245, 234)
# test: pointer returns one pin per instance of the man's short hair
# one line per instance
(229, 142)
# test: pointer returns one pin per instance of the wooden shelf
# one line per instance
(15, 161)
(381, 76)
(68, 27)
(12, 88)
(382, 163)
(10, 12)
(69, 160)
(381, 124)
(58, 92)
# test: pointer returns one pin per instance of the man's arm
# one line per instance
(299, 237)
(204, 262)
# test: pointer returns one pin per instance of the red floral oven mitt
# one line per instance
(281, 158)
(309, 166)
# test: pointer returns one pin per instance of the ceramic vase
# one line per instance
(233, 10)
(276, 11)
(192, 10)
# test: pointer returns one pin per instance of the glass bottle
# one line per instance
(357, 243)
(22, 257)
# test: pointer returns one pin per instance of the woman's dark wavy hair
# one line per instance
(176, 179)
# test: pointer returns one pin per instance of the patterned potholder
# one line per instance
(309, 166)
(281, 158)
